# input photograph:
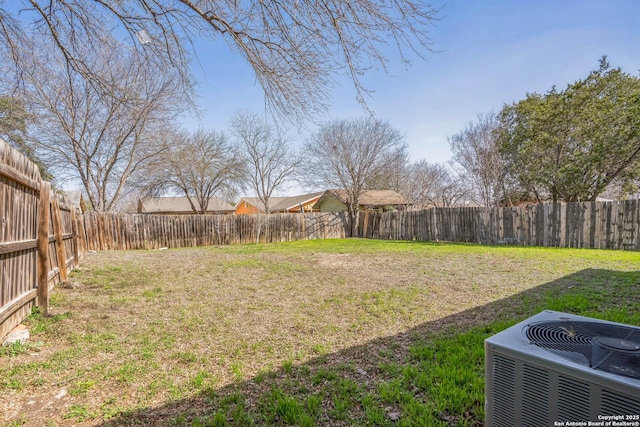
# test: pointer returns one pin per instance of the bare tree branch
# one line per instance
(426, 185)
(297, 48)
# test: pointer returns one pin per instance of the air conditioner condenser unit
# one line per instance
(558, 369)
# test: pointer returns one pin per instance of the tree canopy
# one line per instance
(104, 133)
(426, 185)
(570, 145)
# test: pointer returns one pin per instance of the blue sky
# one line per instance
(490, 53)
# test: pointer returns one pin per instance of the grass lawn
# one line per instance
(332, 332)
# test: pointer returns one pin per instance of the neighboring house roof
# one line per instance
(181, 205)
(257, 203)
(369, 197)
(281, 204)
(294, 201)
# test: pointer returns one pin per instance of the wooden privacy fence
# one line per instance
(597, 225)
(37, 242)
(105, 231)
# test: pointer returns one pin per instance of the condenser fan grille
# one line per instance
(603, 346)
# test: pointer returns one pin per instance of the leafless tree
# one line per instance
(199, 165)
(427, 185)
(477, 156)
(396, 163)
(411, 182)
(99, 134)
(269, 160)
(296, 48)
(353, 156)
(446, 189)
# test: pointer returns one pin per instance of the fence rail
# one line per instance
(597, 225)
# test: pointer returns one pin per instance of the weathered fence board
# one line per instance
(599, 225)
(19, 201)
(36, 232)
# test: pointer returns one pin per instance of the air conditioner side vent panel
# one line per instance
(530, 385)
(535, 392)
(615, 404)
(503, 391)
(573, 399)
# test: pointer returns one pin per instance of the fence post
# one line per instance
(43, 248)
(365, 233)
(74, 231)
(57, 229)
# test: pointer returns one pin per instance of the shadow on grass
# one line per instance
(430, 375)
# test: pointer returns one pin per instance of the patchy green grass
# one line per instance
(332, 332)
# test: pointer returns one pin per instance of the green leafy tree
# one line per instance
(14, 120)
(570, 145)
